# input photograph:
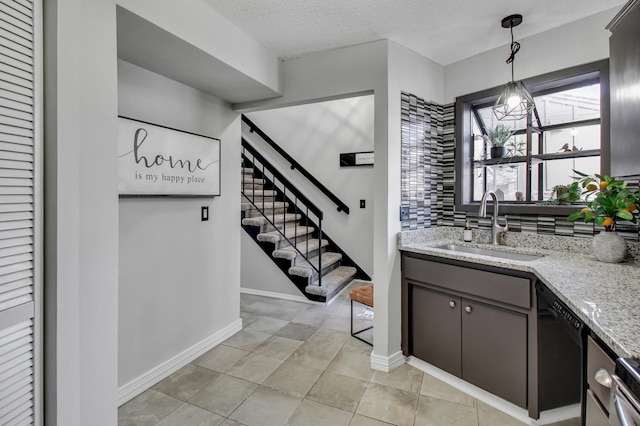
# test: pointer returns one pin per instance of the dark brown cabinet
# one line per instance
(624, 68)
(470, 323)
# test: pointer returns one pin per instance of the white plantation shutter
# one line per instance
(17, 144)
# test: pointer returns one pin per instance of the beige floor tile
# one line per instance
(388, 404)
(331, 338)
(278, 347)
(315, 355)
(220, 358)
(266, 407)
(223, 395)
(188, 414)
(275, 309)
(186, 382)
(311, 413)
(570, 422)
(405, 377)
(359, 420)
(254, 368)
(337, 324)
(353, 361)
(266, 325)
(337, 390)
(436, 412)
(293, 378)
(435, 388)
(147, 409)
(296, 331)
(230, 422)
(246, 340)
(314, 316)
(489, 416)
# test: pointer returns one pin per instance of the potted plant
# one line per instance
(608, 201)
(567, 194)
(497, 137)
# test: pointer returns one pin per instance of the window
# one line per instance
(567, 130)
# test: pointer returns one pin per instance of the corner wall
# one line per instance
(179, 277)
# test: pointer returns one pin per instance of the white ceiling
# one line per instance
(445, 31)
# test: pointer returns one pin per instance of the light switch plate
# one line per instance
(204, 213)
(363, 204)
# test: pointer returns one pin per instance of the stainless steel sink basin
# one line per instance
(489, 252)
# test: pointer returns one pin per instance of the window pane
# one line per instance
(566, 106)
(506, 180)
(491, 121)
(573, 139)
(559, 172)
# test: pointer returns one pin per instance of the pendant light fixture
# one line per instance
(515, 101)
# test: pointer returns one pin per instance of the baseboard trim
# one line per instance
(275, 295)
(387, 363)
(140, 384)
(519, 413)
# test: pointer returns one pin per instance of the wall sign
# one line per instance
(157, 160)
(356, 159)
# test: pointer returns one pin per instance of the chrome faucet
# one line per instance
(496, 229)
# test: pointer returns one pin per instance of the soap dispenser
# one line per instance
(468, 234)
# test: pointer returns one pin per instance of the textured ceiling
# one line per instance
(443, 30)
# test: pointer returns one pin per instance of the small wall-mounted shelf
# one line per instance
(537, 158)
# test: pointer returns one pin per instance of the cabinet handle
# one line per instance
(468, 309)
(452, 304)
(602, 376)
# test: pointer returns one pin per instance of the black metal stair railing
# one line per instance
(342, 207)
(286, 191)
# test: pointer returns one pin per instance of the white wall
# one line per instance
(179, 277)
(576, 43)
(315, 135)
(81, 213)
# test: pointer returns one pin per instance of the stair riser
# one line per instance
(255, 213)
(259, 199)
(297, 240)
(325, 270)
(301, 260)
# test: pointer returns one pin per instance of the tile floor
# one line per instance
(296, 364)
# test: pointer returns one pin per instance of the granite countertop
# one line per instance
(603, 295)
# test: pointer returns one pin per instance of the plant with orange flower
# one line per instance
(608, 200)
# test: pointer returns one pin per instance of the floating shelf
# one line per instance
(537, 158)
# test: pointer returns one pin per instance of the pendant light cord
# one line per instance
(515, 47)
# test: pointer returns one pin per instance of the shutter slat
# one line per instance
(16, 76)
(16, 233)
(14, 383)
(13, 164)
(16, 207)
(16, 140)
(20, 388)
(25, 12)
(15, 181)
(14, 26)
(17, 346)
(16, 407)
(15, 224)
(15, 250)
(24, 174)
(17, 97)
(20, 59)
(12, 130)
(17, 258)
(17, 267)
(19, 190)
(16, 199)
(16, 156)
(15, 366)
(18, 106)
(22, 94)
(14, 114)
(9, 279)
(26, 282)
(22, 47)
(27, 4)
(17, 122)
(15, 216)
(16, 301)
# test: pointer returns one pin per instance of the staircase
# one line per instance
(295, 244)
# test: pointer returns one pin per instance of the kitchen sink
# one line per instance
(489, 252)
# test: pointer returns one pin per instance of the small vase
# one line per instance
(609, 247)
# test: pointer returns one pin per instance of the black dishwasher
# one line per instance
(561, 337)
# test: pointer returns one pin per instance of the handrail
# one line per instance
(281, 178)
(342, 207)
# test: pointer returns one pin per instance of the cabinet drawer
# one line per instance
(595, 415)
(599, 362)
(503, 288)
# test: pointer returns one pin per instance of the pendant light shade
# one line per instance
(515, 101)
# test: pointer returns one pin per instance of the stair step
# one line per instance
(247, 170)
(268, 212)
(279, 218)
(289, 232)
(306, 270)
(291, 253)
(332, 282)
(250, 181)
(262, 206)
(259, 193)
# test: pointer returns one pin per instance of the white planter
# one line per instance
(609, 247)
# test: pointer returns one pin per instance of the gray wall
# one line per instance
(179, 277)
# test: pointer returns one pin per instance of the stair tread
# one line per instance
(339, 277)
(291, 253)
(279, 218)
(266, 205)
(260, 192)
(292, 232)
(306, 270)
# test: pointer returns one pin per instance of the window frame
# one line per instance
(538, 85)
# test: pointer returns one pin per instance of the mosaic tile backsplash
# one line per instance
(428, 178)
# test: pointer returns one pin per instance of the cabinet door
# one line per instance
(494, 350)
(435, 328)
